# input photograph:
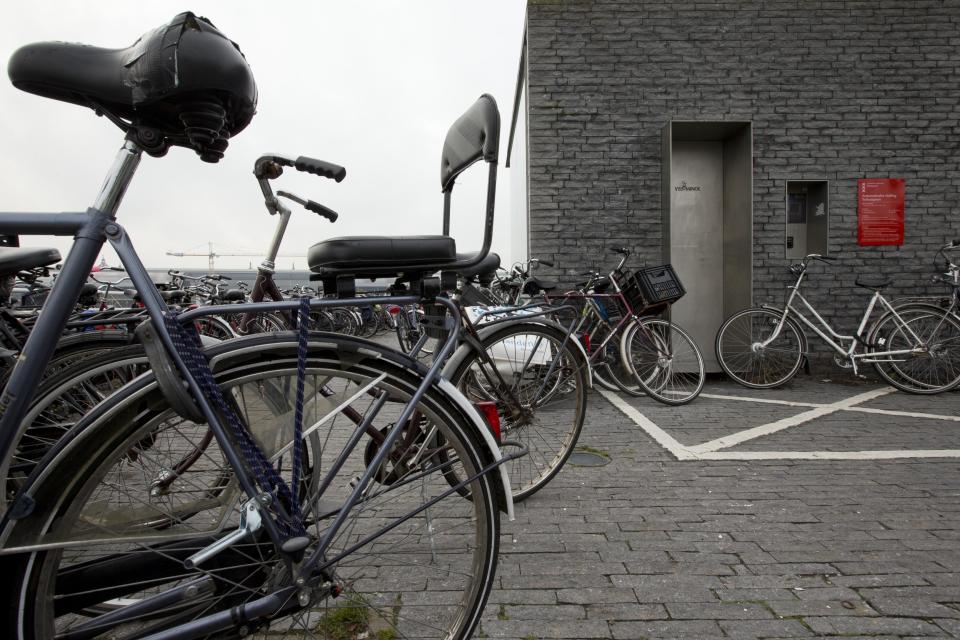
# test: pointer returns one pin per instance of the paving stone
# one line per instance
(523, 596)
(626, 611)
(576, 629)
(718, 611)
(541, 612)
(866, 626)
(916, 607)
(666, 629)
(950, 625)
(802, 608)
(884, 580)
(592, 595)
(764, 629)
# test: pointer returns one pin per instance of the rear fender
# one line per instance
(465, 349)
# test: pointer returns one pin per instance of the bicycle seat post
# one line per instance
(118, 179)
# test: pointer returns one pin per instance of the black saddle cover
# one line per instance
(185, 78)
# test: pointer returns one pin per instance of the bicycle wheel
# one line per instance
(538, 380)
(618, 367)
(77, 346)
(408, 335)
(215, 327)
(934, 337)
(595, 333)
(320, 320)
(742, 356)
(664, 360)
(345, 321)
(259, 323)
(412, 559)
(61, 400)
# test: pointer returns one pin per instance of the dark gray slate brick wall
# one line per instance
(835, 90)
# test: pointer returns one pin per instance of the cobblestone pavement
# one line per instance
(652, 546)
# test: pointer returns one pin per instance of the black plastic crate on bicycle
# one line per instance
(651, 290)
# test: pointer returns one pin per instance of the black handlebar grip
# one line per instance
(546, 262)
(320, 168)
(827, 258)
(326, 212)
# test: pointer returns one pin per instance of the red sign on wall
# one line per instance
(880, 211)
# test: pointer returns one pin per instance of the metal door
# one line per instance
(696, 239)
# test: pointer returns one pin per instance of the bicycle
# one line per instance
(909, 346)
(90, 550)
(629, 348)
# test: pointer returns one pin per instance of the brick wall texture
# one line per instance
(835, 91)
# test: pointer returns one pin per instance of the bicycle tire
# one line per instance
(759, 369)
(550, 386)
(407, 336)
(61, 400)
(214, 327)
(600, 368)
(934, 371)
(665, 360)
(380, 592)
(320, 320)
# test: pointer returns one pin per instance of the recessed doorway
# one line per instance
(708, 223)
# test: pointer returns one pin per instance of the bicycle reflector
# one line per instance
(393, 309)
(488, 410)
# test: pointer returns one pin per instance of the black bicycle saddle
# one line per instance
(185, 79)
(535, 285)
(876, 286)
(485, 269)
(16, 259)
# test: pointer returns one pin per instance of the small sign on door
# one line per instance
(880, 211)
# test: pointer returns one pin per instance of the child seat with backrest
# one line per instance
(474, 136)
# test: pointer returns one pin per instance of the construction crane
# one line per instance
(211, 255)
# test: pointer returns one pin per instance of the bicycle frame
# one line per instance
(593, 307)
(91, 231)
(838, 342)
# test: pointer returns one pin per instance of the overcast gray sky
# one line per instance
(372, 85)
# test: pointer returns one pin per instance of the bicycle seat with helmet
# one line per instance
(183, 84)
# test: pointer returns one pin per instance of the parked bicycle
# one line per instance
(93, 549)
(912, 347)
(630, 348)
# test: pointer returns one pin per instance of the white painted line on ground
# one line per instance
(664, 439)
(830, 455)
(701, 452)
(906, 414)
(788, 403)
(786, 423)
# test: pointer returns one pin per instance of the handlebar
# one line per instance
(817, 256)
(320, 168)
(310, 205)
(270, 167)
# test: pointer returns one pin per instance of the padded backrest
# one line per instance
(475, 135)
